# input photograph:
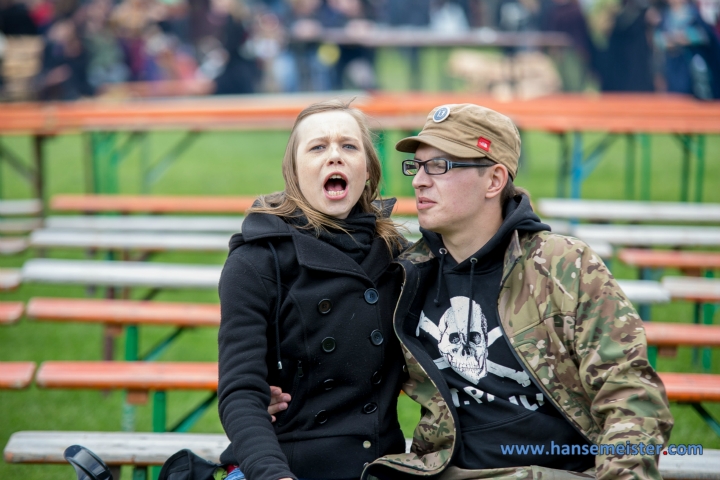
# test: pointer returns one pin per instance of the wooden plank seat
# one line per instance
(670, 259)
(115, 448)
(648, 235)
(146, 223)
(124, 312)
(663, 334)
(176, 204)
(16, 375)
(19, 225)
(20, 207)
(142, 376)
(166, 275)
(691, 387)
(10, 312)
(13, 245)
(9, 278)
(146, 449)
(120, 274)
(632, 211)
(138, 241)
(695, 289)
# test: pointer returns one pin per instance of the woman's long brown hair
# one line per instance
(287, 202)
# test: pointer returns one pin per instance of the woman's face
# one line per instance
(331, 162)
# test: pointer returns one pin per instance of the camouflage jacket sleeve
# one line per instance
(628, 399)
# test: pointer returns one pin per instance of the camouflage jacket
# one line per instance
(578, 337)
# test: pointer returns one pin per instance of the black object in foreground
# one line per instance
(87, 465)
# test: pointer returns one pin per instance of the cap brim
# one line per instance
(410, 144)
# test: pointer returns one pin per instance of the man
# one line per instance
(513, 336)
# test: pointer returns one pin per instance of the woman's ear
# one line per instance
(497, 180)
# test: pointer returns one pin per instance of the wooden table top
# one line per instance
(619, 113)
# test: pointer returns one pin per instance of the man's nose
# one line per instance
(421, 179)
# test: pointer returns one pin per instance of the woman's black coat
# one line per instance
(341, 361)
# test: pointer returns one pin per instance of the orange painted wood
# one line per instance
(10, 312)
(607, 113)
(691, 387)
(16, 375)
(676, 334)
(175, 204)
(150, 204)
(124, 312)
(129, 375)
(664, 258)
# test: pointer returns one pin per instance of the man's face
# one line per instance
(446, 203)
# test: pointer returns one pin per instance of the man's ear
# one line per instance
(498, 178)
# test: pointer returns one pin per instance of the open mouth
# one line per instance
(335, 186)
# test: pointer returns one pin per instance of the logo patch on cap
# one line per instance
(484, 143)
(441, 114)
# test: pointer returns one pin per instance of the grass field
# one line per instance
(248, 164)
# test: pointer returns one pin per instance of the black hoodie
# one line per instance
(496, 401)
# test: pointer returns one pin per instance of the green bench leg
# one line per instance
(712, 423)
(139, 473)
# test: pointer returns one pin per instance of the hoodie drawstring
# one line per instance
(473, 261)
(277, 307)
(443, 253)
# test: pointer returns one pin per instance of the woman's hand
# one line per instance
(278, 401)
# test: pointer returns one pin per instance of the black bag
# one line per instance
(185, 465)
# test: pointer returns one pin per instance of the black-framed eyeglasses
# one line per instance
(436, 166)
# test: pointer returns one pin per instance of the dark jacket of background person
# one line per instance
(65, 65)
(681, 76)
(15, 19)
(344, 385)
(626, 64)
(567, 17)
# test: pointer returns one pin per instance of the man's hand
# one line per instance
(278, 401)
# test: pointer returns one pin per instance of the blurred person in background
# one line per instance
(65, 64)
(15, 19)
(687, 51)
(567, 16)
(106, 59)
(396, 14)
(626, 63)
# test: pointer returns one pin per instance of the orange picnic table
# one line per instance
(569, 116)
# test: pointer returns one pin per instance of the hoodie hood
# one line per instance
(517, 215)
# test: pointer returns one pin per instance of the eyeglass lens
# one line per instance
(436, 166)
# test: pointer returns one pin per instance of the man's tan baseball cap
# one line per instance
(469, 131)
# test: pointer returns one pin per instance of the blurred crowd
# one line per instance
(83, 47)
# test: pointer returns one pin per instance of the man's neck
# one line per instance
(473, 236)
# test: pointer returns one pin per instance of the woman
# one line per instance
(307, 295)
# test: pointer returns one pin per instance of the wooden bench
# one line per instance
(16, 375)
(126, 241)
(139, 379)
(120, 274)
(10, 312)
(146, 449)
(694, 289)
(19, 225)
(645, 235)
(15, 208)
(128, 315)
(123, 312)
(9, 278)
(165, 275)
(631, 211)
(177, 204)
(146, 223)
(687, 261)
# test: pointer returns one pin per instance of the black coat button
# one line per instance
(328, 344)
(321, 417)
(329, 384)
(371, 296)
(324, 306)
(376, 378)
(376, 337)
(369, 408)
